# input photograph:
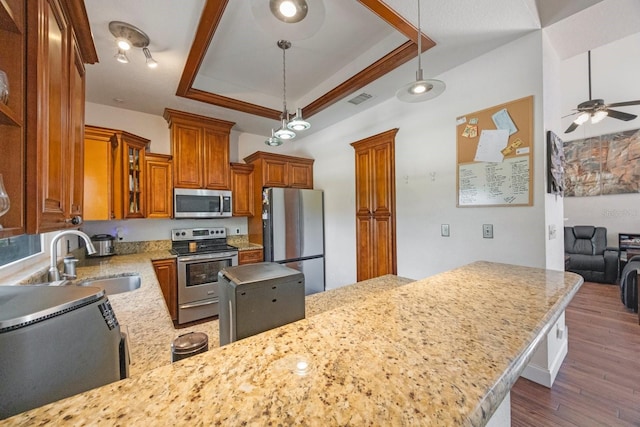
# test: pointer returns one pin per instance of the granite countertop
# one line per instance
(144, 317)
(443, 350)
(246, 246)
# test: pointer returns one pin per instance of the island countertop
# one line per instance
(444, 350)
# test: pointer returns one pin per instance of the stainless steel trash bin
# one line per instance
(188, 344)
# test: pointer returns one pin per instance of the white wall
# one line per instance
(154, 128)
(614, 74)
(425, 145)
(552, 112)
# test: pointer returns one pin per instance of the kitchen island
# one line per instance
(444, 350)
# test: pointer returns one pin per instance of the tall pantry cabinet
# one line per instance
(375, 205)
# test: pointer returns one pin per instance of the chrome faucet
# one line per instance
(54, 273)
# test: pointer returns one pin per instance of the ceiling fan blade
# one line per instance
(572, 114)
(571, 128)
(624, 104)
(620, 115)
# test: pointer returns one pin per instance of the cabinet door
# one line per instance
(187, 155)
(12, 143)
(76, 131)
(275, 173)
(251, 256)
(159, 188)
(98, 174)
(242, 187)
(166, 272)
(363, 182)
(364, 251)
(51, 122)
(383, 246)
(216, 160)
(300, 175)
(134, 184)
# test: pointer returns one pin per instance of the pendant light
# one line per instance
(421, 89)
(272, 141)
(284, 132)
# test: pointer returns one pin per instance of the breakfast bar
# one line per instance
(444, 350)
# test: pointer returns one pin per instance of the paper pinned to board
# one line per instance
(502, 120)
(491, 144)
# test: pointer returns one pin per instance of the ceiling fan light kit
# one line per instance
(128, 36)
(596, 109)
(421, 89)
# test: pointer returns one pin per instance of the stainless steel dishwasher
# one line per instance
(257, 297)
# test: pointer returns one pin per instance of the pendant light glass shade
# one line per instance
(298, 123)
(272, 141)
(421, 89)
(284, 132)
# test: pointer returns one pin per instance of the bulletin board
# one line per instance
(495, 156)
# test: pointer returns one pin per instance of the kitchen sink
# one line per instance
(114, 284)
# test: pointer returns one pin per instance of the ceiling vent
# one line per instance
(360, 98)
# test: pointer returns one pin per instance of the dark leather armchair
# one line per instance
(589, 255)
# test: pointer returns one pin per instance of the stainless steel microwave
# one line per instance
(201, 203)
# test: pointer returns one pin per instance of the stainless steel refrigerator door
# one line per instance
(313, 270)
(295, 224)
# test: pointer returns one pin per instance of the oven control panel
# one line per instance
(179, 234)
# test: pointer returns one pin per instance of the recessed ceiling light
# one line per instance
(289, 11)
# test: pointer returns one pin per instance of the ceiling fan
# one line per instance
(596, 109)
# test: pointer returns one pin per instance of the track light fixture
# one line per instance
(128, 36)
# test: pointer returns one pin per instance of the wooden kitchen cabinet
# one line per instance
(250, 256)
(275, 170)
(166, 273)
(159, 188)
(278, 170)
(60, 43)
(375, 205)
(114, 174)
(12, 115)
(242, 187)
(200, 149)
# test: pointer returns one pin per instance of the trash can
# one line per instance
(188, 344)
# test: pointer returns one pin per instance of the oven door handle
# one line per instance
(199, 304)
(208, 257)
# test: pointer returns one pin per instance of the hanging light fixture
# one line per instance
(285, 131)
(272, 141)
(421, 89)
(128, 36)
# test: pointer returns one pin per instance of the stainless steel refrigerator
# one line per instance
(293, 235)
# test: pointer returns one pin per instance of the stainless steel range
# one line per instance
(202, 253)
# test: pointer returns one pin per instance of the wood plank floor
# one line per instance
(599, 380)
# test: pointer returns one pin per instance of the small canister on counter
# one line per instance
(188, 344)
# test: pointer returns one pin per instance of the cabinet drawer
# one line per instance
(249, 257)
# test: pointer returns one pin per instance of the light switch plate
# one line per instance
(444, 230)
(487, 231)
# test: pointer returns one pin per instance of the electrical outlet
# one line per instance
(237, 231)
(487, 231)
(444, 230)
